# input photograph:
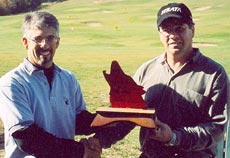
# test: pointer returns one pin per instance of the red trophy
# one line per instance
(126, 101)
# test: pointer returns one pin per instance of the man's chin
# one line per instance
(174, 51)
(45, 64)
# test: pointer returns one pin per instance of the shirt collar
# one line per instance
(194, 59)
(196, 56)
(162, 58)
(30, 68)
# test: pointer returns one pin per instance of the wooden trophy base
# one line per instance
(141, 117)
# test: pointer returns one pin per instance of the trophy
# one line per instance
(126, 101)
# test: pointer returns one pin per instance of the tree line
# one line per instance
(9, 7)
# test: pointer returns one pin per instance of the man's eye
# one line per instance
(51, 38)
(38, 39)
(166, 30)
(179, 29)
(169, 30)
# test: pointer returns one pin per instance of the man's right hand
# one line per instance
(92, 148)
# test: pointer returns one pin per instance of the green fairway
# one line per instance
(95, 32)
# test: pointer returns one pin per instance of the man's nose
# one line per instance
(44, 43)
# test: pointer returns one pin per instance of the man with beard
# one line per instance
(41, 104)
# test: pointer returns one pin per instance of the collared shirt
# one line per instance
(27, 98)
(192, 101)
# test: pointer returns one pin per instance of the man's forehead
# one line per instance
(40, 31)
(171, 22)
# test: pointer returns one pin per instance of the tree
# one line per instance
(18, 6)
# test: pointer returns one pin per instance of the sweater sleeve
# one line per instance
(37, 142)
(110, 134)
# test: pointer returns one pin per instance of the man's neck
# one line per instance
(177, 62)
(49, 73)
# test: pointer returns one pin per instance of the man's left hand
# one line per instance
(162, 133)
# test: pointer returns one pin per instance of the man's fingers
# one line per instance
(158, 122)
(92, 148)
(94, 144)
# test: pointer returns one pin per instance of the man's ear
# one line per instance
(58, 42)
(25, 42)
(193, 31)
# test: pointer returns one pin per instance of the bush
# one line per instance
(18, 6)
(4, 7)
